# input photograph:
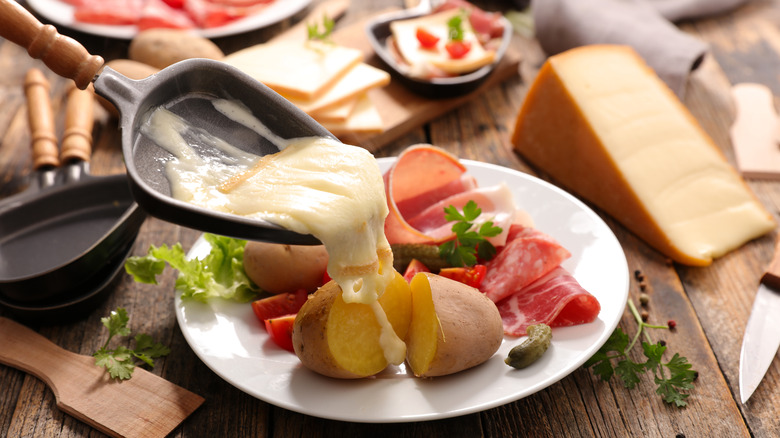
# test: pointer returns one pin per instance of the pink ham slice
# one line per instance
(158, 13)
(426, 179)
(496, 203)
(556, 299)
(527, 256)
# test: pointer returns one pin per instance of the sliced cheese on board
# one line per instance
(405, 36)
(303, 70)
(599, 121)
(365, 118)
(336, 114)
(358, 79)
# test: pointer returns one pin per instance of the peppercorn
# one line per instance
(680, 435)
(645, 316)
(638, 275)
(672, 324)
(662, 343)
(644, 299)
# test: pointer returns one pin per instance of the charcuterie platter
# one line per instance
(229, 340)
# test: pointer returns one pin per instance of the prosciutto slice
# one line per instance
(528, 255)
(423, 181)
(556, 299)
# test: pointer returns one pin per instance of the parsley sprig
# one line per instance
(455, 28)
(120, 361)
(313, 29)
(671, 378)
(469, 245)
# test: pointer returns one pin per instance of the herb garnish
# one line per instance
(120, 361)
(455, 28)
(617, 347)
(314, 32)
(468, 245)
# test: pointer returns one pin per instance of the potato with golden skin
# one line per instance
(162, 47)
(277, 268)
(342, 340)
(454, 327)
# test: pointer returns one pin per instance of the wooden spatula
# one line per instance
(144, 406)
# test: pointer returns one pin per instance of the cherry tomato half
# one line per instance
(279, 305)
(458, 49)
(427, 40)
(280, 329)
(471, 276)
(414, 267)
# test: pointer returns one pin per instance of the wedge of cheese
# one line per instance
(296, 69)
(405, 36)
(600, 122)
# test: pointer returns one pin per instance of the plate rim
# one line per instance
(61, 13)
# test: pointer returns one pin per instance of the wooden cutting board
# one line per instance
(144, 406)
(402, 110)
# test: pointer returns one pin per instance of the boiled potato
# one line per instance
(454, 327)
(163, 47)
(342, 340)
(278, 268)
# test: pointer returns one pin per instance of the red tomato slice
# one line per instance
(279, 305)
(280, 329)
(427, 40)
(414, 267)
(458, 49)
(471, 276)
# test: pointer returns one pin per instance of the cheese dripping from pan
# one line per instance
(313, 185)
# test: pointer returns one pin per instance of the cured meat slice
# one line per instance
(556, 299)
(113, 12)
(158, 13)
(418, 170)
(528, 255)
(412, 207)
(496, 202)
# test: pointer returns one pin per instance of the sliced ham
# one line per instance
(418, 170)
(112, 12)
(426, 179)
(527, 256)
(496, 202)
(158, 13)
(556, 299)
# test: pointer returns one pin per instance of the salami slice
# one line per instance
(158, 13)
(113, 12)
(528, 255)
(556, 299)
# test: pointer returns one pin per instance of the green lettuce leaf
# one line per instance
(218, 274)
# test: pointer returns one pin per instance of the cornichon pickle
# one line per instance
(539, 337)
(403, 253)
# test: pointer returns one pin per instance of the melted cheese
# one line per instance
(600, 122)
(420, 59)
(315, 186)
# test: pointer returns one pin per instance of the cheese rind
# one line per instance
(601, 123)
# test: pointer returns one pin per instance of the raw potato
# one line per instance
(163, 47)
(341, 340)
(454, 327)
(278, 268)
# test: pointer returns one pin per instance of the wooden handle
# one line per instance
(26, 350)
(79, 119)
(772, 276)
(43, 139)
(63, 55)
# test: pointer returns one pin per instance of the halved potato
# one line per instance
(454, 327)
(342, 340)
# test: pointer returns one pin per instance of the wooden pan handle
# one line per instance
(39, 113)
(63, 55)
(772, 276)
(79, 119)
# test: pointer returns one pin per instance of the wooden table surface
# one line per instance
(711, 305)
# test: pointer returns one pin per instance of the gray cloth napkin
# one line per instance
(646, 25)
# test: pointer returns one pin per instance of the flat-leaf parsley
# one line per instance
(120, 361)
(469, 245)
(671, 378)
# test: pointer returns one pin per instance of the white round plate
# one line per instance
(61, 13)
(234, 344)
